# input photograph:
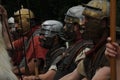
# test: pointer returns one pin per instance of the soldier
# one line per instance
(73, 30)
(71, 33)
(27, 46)
(5, 64)
(96, 29)
(50, 38)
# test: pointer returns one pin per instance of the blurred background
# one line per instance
(47, 9)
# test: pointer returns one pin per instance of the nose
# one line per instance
(16, 25)
(65, 28)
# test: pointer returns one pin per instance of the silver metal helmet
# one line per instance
(11, 20)
(51, 28)
(74, 14)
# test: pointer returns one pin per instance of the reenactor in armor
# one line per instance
(5, 64)
(27, 47)
(71, 34)
(96, 29)
(51, 39)
(76, 47)
(80, 42)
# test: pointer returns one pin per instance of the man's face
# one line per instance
(47, 38)
(69, 27)
(23, 23)
(93, 28)
(68, 32)
(47, 42)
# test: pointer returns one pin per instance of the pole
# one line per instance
(113, 36)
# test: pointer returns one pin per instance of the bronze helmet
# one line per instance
(22, 17)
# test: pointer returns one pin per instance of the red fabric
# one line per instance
(36, 50)
(33, 50)
(18, 45)
(33, 30)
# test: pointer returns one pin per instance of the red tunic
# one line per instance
(36, 50)
(18, 45)
(33, 51)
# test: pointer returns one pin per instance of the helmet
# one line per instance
(96, 13)
(11, 23)
(51, 28)
(74, 14)
(11, 20)
(98, 9)
(22, 17)
(24, 12)
(74, 21)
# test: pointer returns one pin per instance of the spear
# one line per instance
(24, 50)
(113, 36)
(34, 52)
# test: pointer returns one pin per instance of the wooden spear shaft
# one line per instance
(113, 36)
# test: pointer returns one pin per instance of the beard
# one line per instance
(68, 36)
(47, 42)
(93, 31)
